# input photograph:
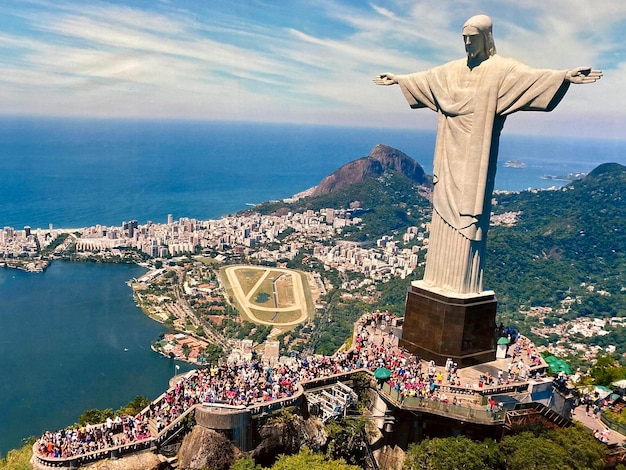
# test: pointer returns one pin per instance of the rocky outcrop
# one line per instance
(146, 460)
(382, 158)
(205, 448)
(287, 436)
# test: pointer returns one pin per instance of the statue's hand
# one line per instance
(583, 75)
(385, 79)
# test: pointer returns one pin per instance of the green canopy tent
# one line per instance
(560, 366)
(549, 359)
(557, 365)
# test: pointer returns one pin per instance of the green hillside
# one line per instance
(566, 253)
(561, 240)
(386, 204)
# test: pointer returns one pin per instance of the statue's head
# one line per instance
(478, 38)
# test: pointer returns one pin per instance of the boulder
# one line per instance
(205, 448)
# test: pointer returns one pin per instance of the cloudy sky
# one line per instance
(303, 61)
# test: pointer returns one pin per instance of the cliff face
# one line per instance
(205, 448)
(382, 158)
(287, 437)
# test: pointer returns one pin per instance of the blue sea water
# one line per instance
(63, 334)
(74, 173)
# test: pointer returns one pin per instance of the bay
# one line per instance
(72, 339)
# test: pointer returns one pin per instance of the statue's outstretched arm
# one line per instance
(583, 75)
(386, 78)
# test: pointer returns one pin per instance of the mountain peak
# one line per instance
(607, 169)
(382, 158)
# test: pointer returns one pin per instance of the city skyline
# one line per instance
(300, 62)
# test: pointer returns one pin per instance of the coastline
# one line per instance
(56, 248)
(183, 341)
(31, 265)
(72, 332)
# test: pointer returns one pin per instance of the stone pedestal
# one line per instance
(439, 324)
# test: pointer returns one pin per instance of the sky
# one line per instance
(309, 62)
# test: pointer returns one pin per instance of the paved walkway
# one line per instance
(594, 423)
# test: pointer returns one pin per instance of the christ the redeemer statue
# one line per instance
(473, 96)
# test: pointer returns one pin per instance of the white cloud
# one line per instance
(107, 59)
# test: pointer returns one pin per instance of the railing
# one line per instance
(467, 413)
(76, 460)
(499, 389)
(166, 433)
(331, 379)
(614, 425)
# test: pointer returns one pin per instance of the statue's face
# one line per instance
(474, 43)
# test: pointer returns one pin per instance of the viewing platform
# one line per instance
(231, 396)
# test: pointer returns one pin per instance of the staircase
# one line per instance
(526, 414)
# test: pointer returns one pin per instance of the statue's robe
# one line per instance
(472, 104)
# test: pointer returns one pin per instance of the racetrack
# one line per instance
(296, 304)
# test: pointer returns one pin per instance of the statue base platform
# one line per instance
(440, 324)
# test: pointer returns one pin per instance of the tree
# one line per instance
(18, 459)
(562, 449)
(307, 460)
(583, 450)
(134, 406)
(245, 464)
(454, 453)
(213, 353)
(346, 440)
(95, 416)
(607, 370)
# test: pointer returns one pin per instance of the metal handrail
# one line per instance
(467, 413)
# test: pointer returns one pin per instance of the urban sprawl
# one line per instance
(250, 238)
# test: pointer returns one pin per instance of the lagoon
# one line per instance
(72, 339)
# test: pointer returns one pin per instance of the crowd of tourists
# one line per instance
(246, 383)
(117, 431)
(253, 383)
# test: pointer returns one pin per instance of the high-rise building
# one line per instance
(330, 216)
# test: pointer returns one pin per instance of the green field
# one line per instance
(248, 278)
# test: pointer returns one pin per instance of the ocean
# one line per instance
(73, 173)
(71, 338)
